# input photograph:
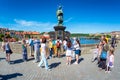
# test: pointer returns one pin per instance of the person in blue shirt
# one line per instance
(113, 41)
(54, 46)
(31, 46)
(24, 50)
(36, 43)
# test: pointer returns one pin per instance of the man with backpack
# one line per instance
(58, 45)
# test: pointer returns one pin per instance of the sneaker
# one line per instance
(75, 63)
(100, 69)
(67, 63)
(108, 71)
(24, 60)
(32, 56)
(48, 69)
(35, 61)
(92, 61)
(39, 66)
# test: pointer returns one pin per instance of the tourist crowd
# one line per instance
(42, 50)
(104, 54)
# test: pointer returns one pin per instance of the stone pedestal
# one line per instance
(60, 32)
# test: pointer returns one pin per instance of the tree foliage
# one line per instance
(1, 36)
(79, 35)
(42, 32)
(88, 35)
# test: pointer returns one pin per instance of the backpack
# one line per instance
(58, 44)
(103, 55)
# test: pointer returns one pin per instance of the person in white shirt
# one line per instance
(95, 53)
(64, 44)
(77, 50)
(73, 44)
(44, 55)
(30, 42)
(36, 43)
(110, 59)
(69, 52)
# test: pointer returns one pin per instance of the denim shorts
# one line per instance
(8, 51)
(78, 52)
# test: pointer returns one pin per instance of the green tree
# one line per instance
(42, 33)
(79, 35)
(108, 36)
(1, 36)
(7, 36)
(16, 38)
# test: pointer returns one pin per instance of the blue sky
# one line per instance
(80, 16)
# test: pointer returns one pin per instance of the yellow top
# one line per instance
(106, 39)
(50, 44)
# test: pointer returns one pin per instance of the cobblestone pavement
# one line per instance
(85, 70)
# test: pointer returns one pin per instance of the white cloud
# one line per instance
(68, 20)
(73, 28)
(92, 27)
(34, 25)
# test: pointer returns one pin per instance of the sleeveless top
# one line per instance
(7, 46)
(43, 48)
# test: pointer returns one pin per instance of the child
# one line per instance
(69, 52)
(24, 50)
(110, 60)
(95, 53)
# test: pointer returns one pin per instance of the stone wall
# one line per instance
(16, 48)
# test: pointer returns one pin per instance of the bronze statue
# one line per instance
(60, 16)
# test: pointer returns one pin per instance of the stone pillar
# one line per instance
(59, 32)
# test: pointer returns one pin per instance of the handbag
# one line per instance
(11, 51)
(110, 64)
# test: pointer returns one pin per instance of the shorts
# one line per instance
(58, 50)
(8, 52)
(78, 52)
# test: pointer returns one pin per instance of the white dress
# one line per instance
(110, 60)
(69, 52)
